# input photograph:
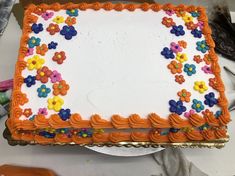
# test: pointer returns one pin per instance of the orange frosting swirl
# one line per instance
(120, 122)
(177, 122)
(18, 81)
(158, 138)
(108, 6)
(20, 66)
(130, 7)
(156, 7)
(77, 122)
(80, 140)
(100, 137)
(191, 8)
(56, 122)
(140, 136)
(220, 133)
(211, 120)
(40, 121)
(224, 118)
(145, 6)
(118, 7)
(43, 140)
(194, 135)
(98, 123)
(197, 120)
(208, 134)
(55, 7)
(69, 6)
(158, 122)
(119, 137)
(16, 136)
(136, 122)
(19, 98)
(62, 138)
(167, 6)
(96, 6)
(83, 6)
(27, 136)
(180, 7)
(177, 137)
(16, 112)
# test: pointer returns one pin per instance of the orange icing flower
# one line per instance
(60, 88)
(180, 13)
(168, 22)
(197, 59)
(43, 74)
(27, 112)
(207, 113)
(42, 49)
(39, 11)
(70, 21)
(59, 57)
(184, 95)
(175, 67)
(207, 59)
(179, 79)
(190, 25)
(182, 43)
(53, 28)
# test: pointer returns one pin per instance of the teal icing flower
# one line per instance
(43, 91)
(218, 114)
(202, 46)
(197, 105)
(33, 41)
(72, 12)
(195, 14)
(190, 69)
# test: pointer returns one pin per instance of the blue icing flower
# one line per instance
(190, 69)
(72, 12)
(177, 30)
(204, 127)
(68, 32)
(33, 41)
(36, 28)
(46, 134)
(197, 105)
(85, 133)
(167, 53)
(202, 46)
(32, 118)
(177, 107)
(196, 33)
(210, 99)
(43, 91)
(63, 130)
(218, 114)
(30, 80)
(174, 130)
(64, 114)
(195, 14)
(52, 45)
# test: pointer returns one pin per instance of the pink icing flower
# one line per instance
(207, 69)
(42, 111)
(188, 114)
(47, 15)
(29, 52)
(200, 25)
(170, 12)
(55, 76)
(175, 47)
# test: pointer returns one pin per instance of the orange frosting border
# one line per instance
(118, 122)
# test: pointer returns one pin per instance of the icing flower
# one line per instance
(181, 57)
(177, 30)
(27, 112)
(187, 18)
(43, 74)
(188, 114)
(35, 62)
(179, 79)
(170, 12)
(175, 47)
(200, 24)
(55, 103)
(59, 57)
(200, 86)
(58, 19)
(184, 95)
(167, 53)
(175, 67)
(42, 111)
(32, 117)
(33, 41)
(195, 14)
(207, 69)
(42, 49)
(197, 105)
(213, 83)
(53, 28)
(85, 133)
(55, 76)
(60, 88)
(39, 10)
(47, 15)
(207, 113)
(180, 13)
(190, 25)
(29, 81)
(29, 52)
(168, 22)
(207, 59)
(196, 33)
(202, 46)
(190, 69)
(182, 43)
(36, 28)
(210, 99)
(43, 91)
(218, 114)
(68, 32)
(47, 134)
(64, 114)
(70, 21)
(197, 59)
(73, 12)
(52, 45)
(177, 107)
(174, 130)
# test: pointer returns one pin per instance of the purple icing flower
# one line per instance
(65, 114)
(175, 47)
(68, 32)
(42, 111)
(55, 76)
(177, 107)
(196, 33)
(207, 69)
(170, 12)
(47, 15)
(177, 30)
(210, 99)
(188, 114)
(167, 53)
(200, 24)
(29, 52)
(36, 28)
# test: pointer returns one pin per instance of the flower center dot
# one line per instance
(59, 56)
(198, 105)
(43, 90)
(42, 73)
(34, 62)
(190, 69)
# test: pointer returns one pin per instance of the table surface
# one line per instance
(67, 160)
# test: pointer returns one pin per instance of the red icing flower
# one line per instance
(39, 11)
(197, 59)
(59, 57)
(179, 79)
(53, 28)
(168, 22)
(60, 88)
(42, 49)
(182, 43)
(70, 21)
(207, 59)
(190, 25)
(27, 112)
(43, 74)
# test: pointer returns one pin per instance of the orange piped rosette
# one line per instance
(56, 122)
(77, 122)
(140, 136)
(209, 134)
(220, 133)
(43, 140)
(197, 120)
(120, 122)
(194, 135)
(41, 121)
(62, 138)
(136, 122)
(119, 137)
(177, 122)
(97, 122)
(158, 122)
(100, 137)
(158, 138)
(177, 137)
(81, 140)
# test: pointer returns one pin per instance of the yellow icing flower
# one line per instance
(200, 86)
(55, 103)
(35, 62)
(58, 19)
(187, 18)
(181, 57)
